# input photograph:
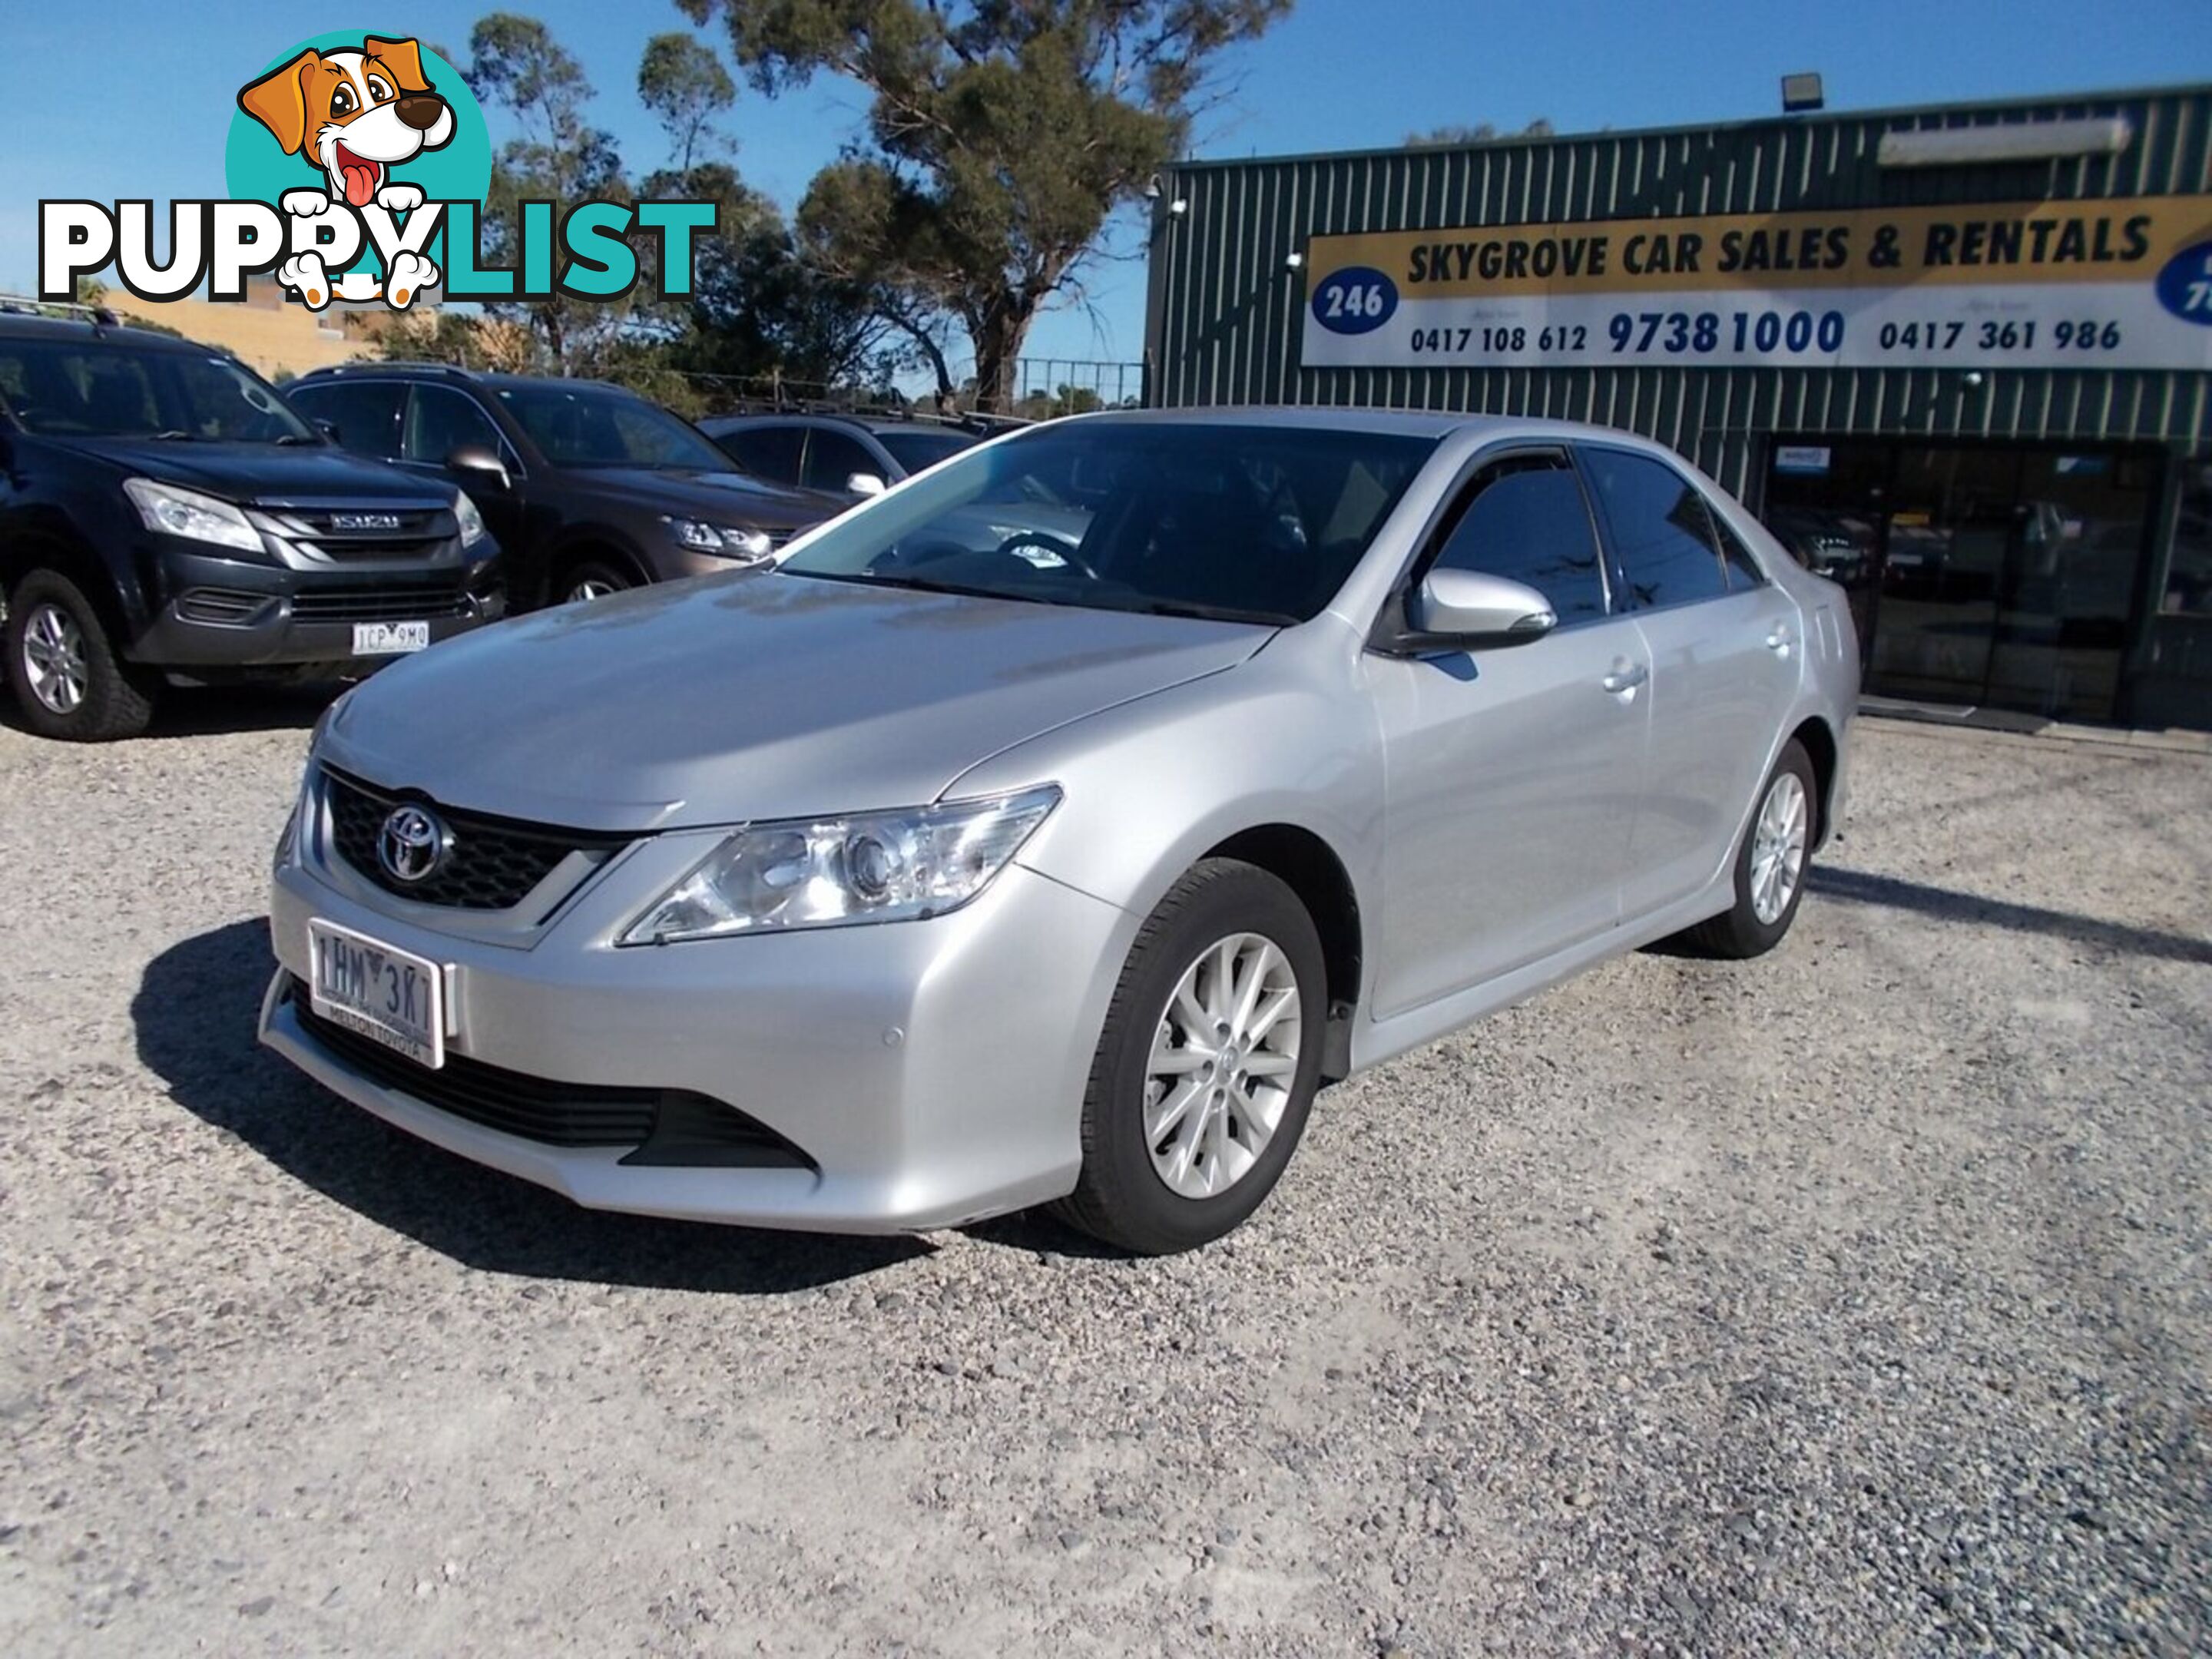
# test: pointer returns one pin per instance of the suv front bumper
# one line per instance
(218, 612)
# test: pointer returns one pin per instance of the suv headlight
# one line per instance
(723, 541)
(827, 872)
(177, 512)
(470, 521)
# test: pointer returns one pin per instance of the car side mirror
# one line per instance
(480, 462)
(865, 483)
(329, 429)
(1471, 609)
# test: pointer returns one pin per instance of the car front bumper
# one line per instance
(931, 1073)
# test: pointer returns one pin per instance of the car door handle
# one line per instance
(1625, 677)
(1779, 639)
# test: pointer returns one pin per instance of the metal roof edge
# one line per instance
(1822, 118)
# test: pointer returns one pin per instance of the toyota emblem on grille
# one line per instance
(412, 844)
(364, 521)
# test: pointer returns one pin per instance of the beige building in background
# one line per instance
(266, 330)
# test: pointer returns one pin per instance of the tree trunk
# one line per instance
(997, 337)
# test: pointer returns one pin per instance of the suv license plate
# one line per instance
(389, 638)
(369, 987)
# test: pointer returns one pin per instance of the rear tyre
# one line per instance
(68, 680)
(593, 580)
(1770, 865)
(1207, 1066)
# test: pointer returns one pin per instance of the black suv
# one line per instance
(848, 456)
(163, 515)
(589, 487)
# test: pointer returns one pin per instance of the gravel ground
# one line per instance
(1854, 1301)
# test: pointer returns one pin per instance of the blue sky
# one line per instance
(134, 98)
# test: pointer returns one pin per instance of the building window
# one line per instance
(2189, 575)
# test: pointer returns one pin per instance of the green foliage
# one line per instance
(443, 337)
(1065, 400)
(1483, 132)
(558, 157)
(687, 89)
(1001, 135)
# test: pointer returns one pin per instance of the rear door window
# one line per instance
(1743, 571)
(832, 458)
(1662, 534)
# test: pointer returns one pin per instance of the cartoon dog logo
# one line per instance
(356, 116)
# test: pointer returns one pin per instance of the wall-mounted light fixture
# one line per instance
(1178, 207)
(1801, 94)
(2010, 141)
(1291, 261)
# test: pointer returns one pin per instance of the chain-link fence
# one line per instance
(1079, 383)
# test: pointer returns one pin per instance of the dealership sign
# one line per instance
(2107, 284)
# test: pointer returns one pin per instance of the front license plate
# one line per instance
(389, 638)
(368, 987)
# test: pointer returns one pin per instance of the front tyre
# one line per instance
(1207, 1066)
(1770, 865)
(68, 681)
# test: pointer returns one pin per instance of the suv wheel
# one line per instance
(593, 580)
(68, 681)
(1209, 1064)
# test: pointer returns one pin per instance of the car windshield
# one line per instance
(94, 388)
(1245, 522)
(915, 448)
(595, 425)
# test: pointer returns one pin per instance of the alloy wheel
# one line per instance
(591, 587)
(54, 659)
(1224, 1056)
(1777, 848)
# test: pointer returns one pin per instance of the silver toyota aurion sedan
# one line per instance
(910, 881)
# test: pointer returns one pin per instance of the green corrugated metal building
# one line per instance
(1864, 324)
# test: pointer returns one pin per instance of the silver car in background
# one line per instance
(910, 882)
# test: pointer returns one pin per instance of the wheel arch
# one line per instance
(1310, 868)
(1818, 741)
(593, 543)
(91, 574)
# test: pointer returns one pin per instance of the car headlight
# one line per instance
(471, 520)
(177, 512)
(723, 541)
(828, 872)
(295, 822)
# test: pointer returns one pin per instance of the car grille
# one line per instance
(373, 532)
(667, 1127)
(494, 864)
(387, 602)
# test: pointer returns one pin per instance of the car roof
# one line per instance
(371, 369)
(869, 424)
(1413, 423)
(15, 326)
